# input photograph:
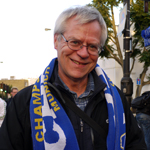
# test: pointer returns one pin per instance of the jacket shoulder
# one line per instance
(24, 95)
(21, 101)
(16, 127)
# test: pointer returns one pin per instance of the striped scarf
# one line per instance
(50, 125)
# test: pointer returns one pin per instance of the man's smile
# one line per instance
(78, 63)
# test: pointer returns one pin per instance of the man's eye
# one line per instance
(92, 47)
(74, 43)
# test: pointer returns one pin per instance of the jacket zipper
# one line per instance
(92, 134)
(81, 121)
(81, 125)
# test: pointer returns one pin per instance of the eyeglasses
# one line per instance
(77, 45)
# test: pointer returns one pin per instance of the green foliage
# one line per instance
(105, 53)
(148, 77)
(104, 7)
(145, 58)
(135, 53)
(141, 21)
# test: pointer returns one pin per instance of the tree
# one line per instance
(106, 8)
(140, 21)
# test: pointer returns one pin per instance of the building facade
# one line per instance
(19, 83)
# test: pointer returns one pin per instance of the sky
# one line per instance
(25, 47)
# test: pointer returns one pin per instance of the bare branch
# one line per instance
(115, 35)
(114, 57)
(146, 82)
(132, 65)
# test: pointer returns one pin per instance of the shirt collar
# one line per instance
(89, 88)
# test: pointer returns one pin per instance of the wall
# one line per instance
(20, 84)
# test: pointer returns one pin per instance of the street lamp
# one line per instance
(47, 29)
(126, 81)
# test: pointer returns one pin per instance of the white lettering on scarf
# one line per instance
(55, 128)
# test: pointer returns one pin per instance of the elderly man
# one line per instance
(73, 105)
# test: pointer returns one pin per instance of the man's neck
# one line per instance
(76, 85)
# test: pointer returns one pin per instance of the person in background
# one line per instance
(142, 106)
(44, 117)
(14, 91)
(143, 120)
(2, 110)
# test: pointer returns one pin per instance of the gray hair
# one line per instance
(84, 14)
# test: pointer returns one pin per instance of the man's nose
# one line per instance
(83, 52)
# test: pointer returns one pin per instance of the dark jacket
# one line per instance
(15, 133)
(145, 110)
(145, 103)
(8, 102)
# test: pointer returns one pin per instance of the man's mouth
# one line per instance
(76, 62)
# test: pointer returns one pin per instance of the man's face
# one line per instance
(76, 65)
(14, 92)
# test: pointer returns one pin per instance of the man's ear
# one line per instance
(56, 41)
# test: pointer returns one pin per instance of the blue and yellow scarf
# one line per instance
(51, 127)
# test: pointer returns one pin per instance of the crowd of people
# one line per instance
(73, 105)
